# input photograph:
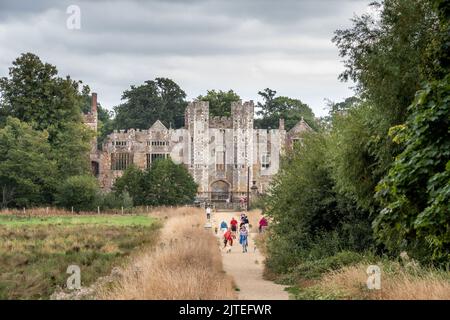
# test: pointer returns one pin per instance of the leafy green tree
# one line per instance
(164, 183)
(415, 193)
(387, 57)
(132, 182)
(220, 101)
(306, 209)
(26, 169)
(79, 192)
(35, 94)
(351, 150)
(168, 183)
(160, 99)
(273, 108)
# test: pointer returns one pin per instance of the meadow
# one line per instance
(35, 250)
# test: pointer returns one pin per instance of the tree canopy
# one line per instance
(164, 183)
(160, 99)
(220, 101)
(272, 109)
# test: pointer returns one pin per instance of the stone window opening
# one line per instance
(120, 143)
(157, 143)
(152, 157)
(121, 161)
(265, 161)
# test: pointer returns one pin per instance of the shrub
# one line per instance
(79, 192)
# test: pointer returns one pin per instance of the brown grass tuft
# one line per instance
(397, 283)
(185, 265)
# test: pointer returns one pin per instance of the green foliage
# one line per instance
(310, 218)
(169, 184)
(274, 108)
(132, 182)
(164, 183)
(388, 57)
(79, 192)
(416, 192)
(220, 101)
(352, 150)
(26, 167)
(159, 99)
(113, 200)
(34, 93)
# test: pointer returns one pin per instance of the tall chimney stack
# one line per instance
(94, 103)
(281, 124)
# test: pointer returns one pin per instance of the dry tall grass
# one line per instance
(185, 265)
(162, 212)
(397, 283)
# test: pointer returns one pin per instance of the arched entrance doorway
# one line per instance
(220, 190)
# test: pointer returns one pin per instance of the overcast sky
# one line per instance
(244, 45)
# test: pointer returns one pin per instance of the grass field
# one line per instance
(36, 251)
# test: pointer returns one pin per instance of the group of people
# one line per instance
(230, 233)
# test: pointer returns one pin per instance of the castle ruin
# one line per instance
(225, 155)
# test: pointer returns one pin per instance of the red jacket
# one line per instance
(227, 235)
(233, 222)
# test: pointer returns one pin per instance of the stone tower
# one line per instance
(242, 116)
(197, 124)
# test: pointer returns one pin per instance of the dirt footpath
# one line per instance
(247, 268)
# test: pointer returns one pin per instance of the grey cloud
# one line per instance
(202, 44)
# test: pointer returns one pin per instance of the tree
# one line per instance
(131, 182)
(26, 167)
(306, 210)
(273, 108)
(79, 192)
(168, 183)
(159, 99)
(351, 150)
(388, 57)
(35, 94)
(220, 101)
(164, 183)
(415, 194)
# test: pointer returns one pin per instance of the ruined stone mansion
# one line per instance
(225, 155)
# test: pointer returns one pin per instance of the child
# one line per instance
(227, 238)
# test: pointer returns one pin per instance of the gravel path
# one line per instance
(247, 268)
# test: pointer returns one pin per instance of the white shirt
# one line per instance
(208, 210)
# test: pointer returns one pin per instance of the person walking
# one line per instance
(208, 213)
(227, 239)
(263, 223)
(223, 226)
(243, 238)
(233, 224)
